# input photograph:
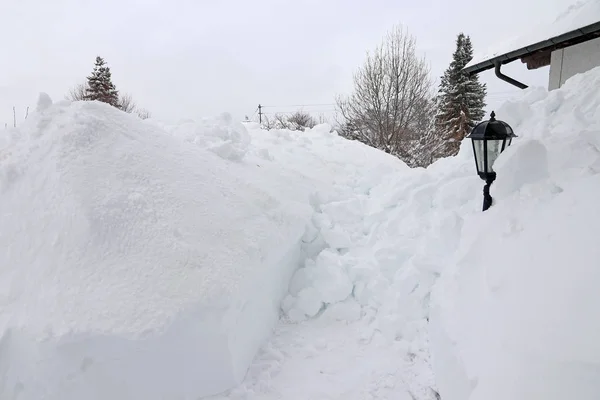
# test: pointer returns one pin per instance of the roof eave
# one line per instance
(565, 40)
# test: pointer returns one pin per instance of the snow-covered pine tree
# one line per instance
(100, 86)
(460, 101)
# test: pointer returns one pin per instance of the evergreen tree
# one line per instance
(100, 86)
(460, 101)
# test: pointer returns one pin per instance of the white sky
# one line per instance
(197, 58)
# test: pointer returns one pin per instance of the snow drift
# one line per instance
(121, 245)
(513, 314)
(144, 263)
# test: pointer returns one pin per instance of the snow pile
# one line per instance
(513, 315)
(147, 264)
(126, 247)
(226, 138)
(377, 243)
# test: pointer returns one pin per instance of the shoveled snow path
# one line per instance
(321, 359)
(373, 342)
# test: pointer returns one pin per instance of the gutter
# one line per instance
(508, 79)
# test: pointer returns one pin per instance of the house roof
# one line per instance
(579, 23)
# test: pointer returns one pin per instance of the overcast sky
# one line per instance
(196, 58)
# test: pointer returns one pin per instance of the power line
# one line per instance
(302, 105)
(292, 112)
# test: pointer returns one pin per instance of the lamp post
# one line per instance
(490, 138)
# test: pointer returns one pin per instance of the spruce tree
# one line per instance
(100, 86)
(460, 101)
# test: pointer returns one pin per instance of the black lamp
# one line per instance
(490, 138)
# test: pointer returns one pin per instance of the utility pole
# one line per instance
(260, 113)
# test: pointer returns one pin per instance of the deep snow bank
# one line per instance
(137, 260)
(148, 261)
(514, 312)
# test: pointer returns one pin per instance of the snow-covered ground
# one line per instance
(514, 315)
(208, 259)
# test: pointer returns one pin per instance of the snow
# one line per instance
(44, 102)
(164, 251)
(119, 233)
(580, 14)
(512, 314)
(215, 260)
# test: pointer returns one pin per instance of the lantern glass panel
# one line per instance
(494, 148)
(479, 155)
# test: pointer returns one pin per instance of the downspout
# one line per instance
(508, 78)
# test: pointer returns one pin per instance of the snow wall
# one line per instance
(147, 262)
(514, 314)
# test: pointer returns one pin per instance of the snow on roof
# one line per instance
(579, 15)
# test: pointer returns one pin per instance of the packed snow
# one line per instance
(513, 314)
(580, 14)
(211, 259)
(125, 243)
(130, 242)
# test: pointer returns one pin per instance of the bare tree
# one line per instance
(425, 149)
(267, 123)
(143, 113)
(77, 92)
(127, 104)
(280, 121)
(385, 109)
(298, 121)
(301, 120)
(323, 119)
